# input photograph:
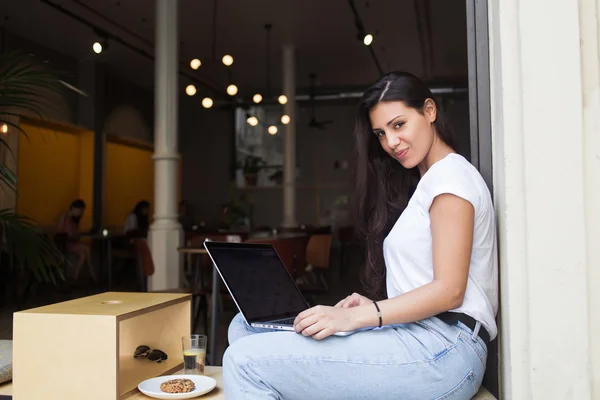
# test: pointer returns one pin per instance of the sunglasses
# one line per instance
(152, 355)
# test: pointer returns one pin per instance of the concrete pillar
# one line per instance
(546, 193)
(589, 27)
(165, 232)
(289, 139)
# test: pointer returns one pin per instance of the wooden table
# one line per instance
(212, 337)
(215, 394)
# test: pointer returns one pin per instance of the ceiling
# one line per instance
(426, 37)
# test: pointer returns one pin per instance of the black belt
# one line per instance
(452, 318)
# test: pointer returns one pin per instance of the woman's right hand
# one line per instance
(354, 300)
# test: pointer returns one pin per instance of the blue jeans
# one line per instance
(423, 360)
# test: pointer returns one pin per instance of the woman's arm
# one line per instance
(452, 220)
(60, 226)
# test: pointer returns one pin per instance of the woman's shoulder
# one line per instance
(456, 175)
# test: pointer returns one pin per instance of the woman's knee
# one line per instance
(237, 329)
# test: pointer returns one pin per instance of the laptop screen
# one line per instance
(258, 281)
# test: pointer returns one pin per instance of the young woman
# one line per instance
(69, 224)
(427, 218)
(136, 223)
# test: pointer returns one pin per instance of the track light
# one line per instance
(282, 99)
(97, 47)
(272, 130)
(368, 39)
(257, 98)
(285, 119)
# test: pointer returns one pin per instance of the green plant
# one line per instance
(26, 86)
(253, 164)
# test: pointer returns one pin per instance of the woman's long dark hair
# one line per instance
(383, 186)
(142, 219)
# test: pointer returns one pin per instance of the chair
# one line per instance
(292, 252)
(202, 269)
(318, 257)
(144, 262)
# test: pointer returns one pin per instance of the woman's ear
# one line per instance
(430, 110)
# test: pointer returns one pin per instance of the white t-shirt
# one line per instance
(408, 249)
(130, 223)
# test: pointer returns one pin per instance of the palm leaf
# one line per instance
(26, 87)
(29, 247)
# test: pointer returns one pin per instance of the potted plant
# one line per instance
(25, 87)
(252, 165)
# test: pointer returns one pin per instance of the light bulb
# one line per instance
(97, 47)
(257, 98)
(272, 129)
(285, 119)
(195, 63)
(207, 102)
(368, 39)
(227, 60)
(190, 90)
(232, 90)
(252, 121)
(282, 99)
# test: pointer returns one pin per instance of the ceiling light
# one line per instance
(285, 119)
(282, 99)
(190, 90)
(232, 90)
(252, 121)
(4, 129)
(257, 98)
(272, 129)
(368, 39)
(195, 63)
(97, 47)
(207, 102)
(227, 60)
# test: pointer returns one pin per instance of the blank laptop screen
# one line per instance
(258, 280)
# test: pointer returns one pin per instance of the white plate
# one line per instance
(151, 387)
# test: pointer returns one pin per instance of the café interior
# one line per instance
(149, 127)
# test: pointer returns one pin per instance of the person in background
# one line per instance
(68, 224)
(136, 224)
(186, 219)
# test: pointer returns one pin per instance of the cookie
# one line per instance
(177, 386)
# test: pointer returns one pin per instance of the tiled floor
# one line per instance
(340, 288)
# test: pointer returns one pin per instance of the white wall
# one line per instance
(546, 184)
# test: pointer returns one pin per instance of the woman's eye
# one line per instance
(398, 125)
(379, 133)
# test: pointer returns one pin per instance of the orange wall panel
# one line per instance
(54, 168)
(129, 179)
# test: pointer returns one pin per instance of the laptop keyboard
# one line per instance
(288, 321)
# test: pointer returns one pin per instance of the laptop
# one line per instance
(260, 285)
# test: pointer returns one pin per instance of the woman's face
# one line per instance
(403, 132)
(77, 212)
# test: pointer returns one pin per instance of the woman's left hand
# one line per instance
(323, 321)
